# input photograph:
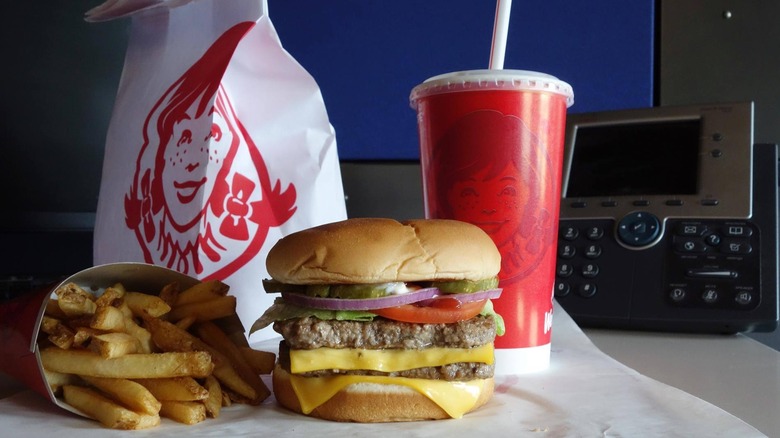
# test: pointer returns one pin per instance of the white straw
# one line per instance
(500, 29)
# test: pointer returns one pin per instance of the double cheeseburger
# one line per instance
(384, 320)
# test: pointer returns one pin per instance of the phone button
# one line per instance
(562, 289)
(591, 270)
(639, 229)
(587, 290)
(678, 294)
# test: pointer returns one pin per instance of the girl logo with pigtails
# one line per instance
(202, 200)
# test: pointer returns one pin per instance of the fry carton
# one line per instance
(21, 318)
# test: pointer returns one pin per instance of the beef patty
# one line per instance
(310, 333)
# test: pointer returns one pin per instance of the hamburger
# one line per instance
(383, 320)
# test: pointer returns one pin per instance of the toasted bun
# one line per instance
(370, 403)
(369, 250)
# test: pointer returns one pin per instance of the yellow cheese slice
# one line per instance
(455, 398)
(302, 361)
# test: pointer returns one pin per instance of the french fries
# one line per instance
(262, 362)
(75, 301)
(130, 366)
(219, 341)
(213, 402)
(132, 394)
(184, 412)
(111, 345)
(175, 389)
(142, 303)
(105, 410)
(127, 358)
(219, 307)
(171, 338)
(205, 291)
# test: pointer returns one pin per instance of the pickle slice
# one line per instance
(352, 291)
(465, 286)
(359, 291)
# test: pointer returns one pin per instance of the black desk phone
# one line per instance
(669, 221)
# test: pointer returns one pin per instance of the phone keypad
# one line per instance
(714, 265)
(578, 254)
(703, 264)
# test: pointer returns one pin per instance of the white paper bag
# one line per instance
(219, 144)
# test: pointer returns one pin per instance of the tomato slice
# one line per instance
(442, 313)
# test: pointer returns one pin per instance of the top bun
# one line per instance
(369, 250)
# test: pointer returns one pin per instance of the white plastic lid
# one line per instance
(492, 80)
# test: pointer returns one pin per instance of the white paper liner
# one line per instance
(583, 393)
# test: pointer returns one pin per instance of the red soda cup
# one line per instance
(491, 150)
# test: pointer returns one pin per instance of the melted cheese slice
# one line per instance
(456, 398)
(302, 361)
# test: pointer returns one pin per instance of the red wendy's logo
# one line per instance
(484, 178)
(202, 200)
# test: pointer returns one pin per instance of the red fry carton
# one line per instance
(20, 318)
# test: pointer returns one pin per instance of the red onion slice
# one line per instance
(360, 303)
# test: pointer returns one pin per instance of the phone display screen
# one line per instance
(648, 158)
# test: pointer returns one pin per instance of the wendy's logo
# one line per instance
(202, 200)
(484, 177)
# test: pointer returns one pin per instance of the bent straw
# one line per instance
(500, 29)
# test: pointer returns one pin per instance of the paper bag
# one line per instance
(219, 144)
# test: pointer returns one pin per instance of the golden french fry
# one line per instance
(139, 302)
(170, 293)
(226, 401)
(175, 389)
(185, 323)
(113, 319)
(140, 333)
(130, 366)
(131, 394)
(231, 379)
(49, 324)
(58, 380)
(108, 318)
(110, 296)
(183, 411)
(217, 339)
(204, 291)
(77, 322)
(233, 327)
(59, 334)
(262, 362)
(102, 361)
(213, 402)
(169, 337)
(84, 335)
(205, 310)
(106, 411)
(110, 345)
(75, 301)
(63, 339)
(53, 310)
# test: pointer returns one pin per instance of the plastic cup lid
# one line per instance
(472, 80)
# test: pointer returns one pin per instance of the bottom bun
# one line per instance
(371, 402)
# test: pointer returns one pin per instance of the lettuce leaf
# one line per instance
(488, 311)
(280, 311)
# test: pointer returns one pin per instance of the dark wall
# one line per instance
(367, 56)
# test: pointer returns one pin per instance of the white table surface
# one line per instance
(734, 372)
